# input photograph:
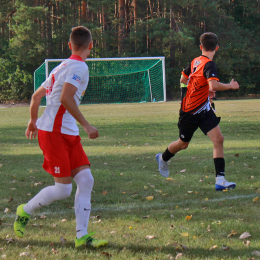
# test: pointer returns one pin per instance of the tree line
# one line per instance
(35, 30)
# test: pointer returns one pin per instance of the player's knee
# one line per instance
(64, 190)
(67, 192)
(183, 145)
(89, 181)
(219, 139)
(86, 180)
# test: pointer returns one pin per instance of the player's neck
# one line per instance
(83, 55)
(209, 54)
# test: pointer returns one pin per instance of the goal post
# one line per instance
(117, 80)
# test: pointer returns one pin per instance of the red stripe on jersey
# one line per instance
(58, 119)
(49, 89)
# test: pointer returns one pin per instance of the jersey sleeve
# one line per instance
(77, 75)
(210, 71)
(45, 84)
(187, 71)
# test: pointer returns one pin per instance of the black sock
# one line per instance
(219, 166)
(167, 155)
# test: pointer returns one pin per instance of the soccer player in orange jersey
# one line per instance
(58, 136)
(202, 81)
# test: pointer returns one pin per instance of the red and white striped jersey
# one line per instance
(55, 117)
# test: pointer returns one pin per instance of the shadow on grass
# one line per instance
(136, 132)
(135, 249)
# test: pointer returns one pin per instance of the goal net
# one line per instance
(117, 80)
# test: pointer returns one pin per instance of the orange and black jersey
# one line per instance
(199, 73)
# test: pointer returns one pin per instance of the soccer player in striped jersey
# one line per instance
(202, 81)
(58, 136)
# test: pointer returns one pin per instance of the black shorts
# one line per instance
(183, 92)
(188, 123)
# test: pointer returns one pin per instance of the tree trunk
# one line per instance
(127, 29)
(49, 30)
(135, 19)
(147, 30)
(84, 10)
(59, 27)
(116, 10)
(151, 7)
(121, 33)
(158, 9)
(172, 45)
(104, 18)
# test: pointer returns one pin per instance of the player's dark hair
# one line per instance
(80, 37)
(209, 41)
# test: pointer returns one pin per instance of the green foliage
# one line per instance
(15, 83)
(26, 47)
(32, 31)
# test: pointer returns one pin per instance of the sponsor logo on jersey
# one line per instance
(77, 78)
(197, 62)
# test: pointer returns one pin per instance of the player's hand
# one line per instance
(91, 131)
(31, 131)
(234, 84)
(212, 93)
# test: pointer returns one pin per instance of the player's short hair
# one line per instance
(80, 37)
(209, 41)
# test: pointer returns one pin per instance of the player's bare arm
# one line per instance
(184, 80)
(218, 86)
(31, 131)
(68, 101)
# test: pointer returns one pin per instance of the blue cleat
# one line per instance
(223, 184)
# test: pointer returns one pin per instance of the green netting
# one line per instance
(117, 81)
(39, 78)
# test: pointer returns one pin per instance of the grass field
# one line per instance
(186, 219)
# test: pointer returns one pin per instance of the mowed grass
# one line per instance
(125, 171)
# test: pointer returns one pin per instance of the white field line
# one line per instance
(124, 207)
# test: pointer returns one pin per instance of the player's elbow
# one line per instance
(213, 85)
(213, 88)
(184, 80)
(63, 99)
(36, 97)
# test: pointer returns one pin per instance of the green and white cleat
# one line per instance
(21, 221)
(88, 241)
